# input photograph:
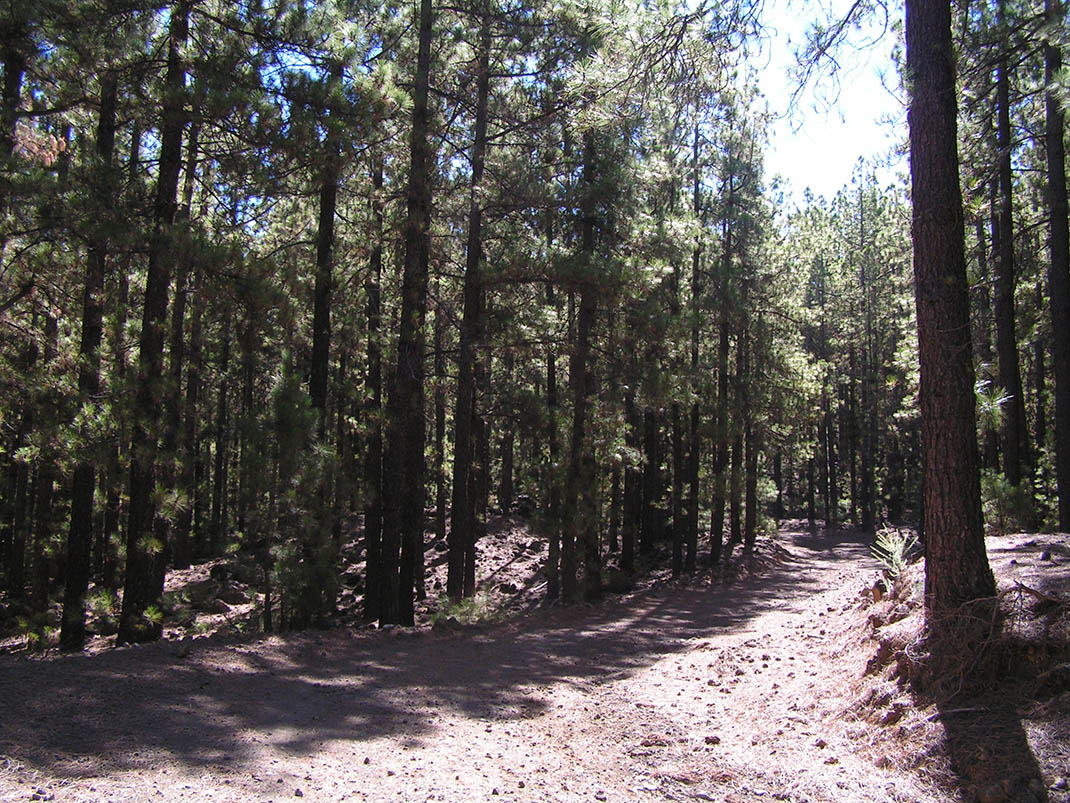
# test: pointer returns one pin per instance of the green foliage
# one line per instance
(103, 607)
(153, 615)
(477, 609)
(305, 552)
(990, 402)
(41, 630)
(1007, 508)
(894, 549)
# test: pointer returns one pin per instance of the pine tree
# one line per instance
(144, 582)
(957, 571)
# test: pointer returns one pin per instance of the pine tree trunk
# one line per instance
(651, 484)
(172, 395)
(633, 487)
(811, 502)
(849, 431)
(677, 491)
(462, 509)
(750, 505)
(505, 485)
(480, 478)
(553, 558)
(1010, 377)
(778, 483)
(1059, 266)
(373, 403)
(615, 508)
(831, 486)
(45, 481)
(721, 450)
(344, 474)
(869, 377)
(13, 52)
(735, 491)
(582, 470)
(44, 493)
(20, 515)
(248, 345)
(580, 520)
(191, 470)
(83, 484)
(142, 588)
(119, 449)
(217, 527)
(403, 510)
(321, 314)
(1040, 382)
(694, 455)
(441, 495)
(984, 340)
(956, 565)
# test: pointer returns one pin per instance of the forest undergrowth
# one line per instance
(786, 675)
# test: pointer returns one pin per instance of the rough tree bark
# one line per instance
(956, 564)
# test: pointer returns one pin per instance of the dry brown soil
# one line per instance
(740, 687)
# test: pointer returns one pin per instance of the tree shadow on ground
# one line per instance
(228, 701)
(985, 733)
(988, 749)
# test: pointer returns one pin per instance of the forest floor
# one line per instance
(772, 680)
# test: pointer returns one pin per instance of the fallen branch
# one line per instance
(1040, 595)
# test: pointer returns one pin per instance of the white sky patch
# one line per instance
(835, 123)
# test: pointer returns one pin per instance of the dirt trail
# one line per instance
(699, 692)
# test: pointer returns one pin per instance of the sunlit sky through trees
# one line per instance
(858, 113)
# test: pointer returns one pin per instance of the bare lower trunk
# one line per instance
(956, 564)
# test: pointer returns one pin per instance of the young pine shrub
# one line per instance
(304, 555)
(894, 549)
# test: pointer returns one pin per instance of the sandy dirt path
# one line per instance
(690, 692)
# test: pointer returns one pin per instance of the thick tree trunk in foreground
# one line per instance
(956, 564)
(1059, 267)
